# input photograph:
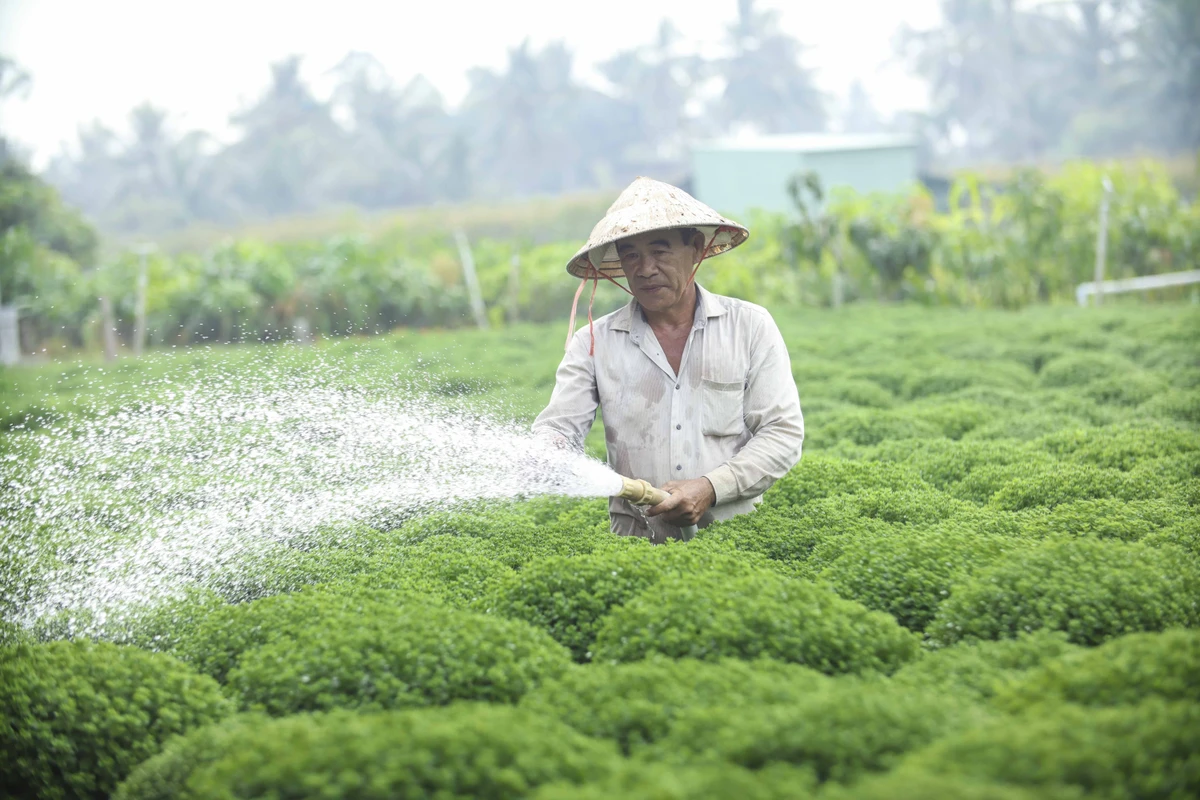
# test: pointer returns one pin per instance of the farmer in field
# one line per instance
(695, 389)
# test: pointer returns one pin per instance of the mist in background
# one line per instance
(598, 95)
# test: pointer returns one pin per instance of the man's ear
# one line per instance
(697, 247)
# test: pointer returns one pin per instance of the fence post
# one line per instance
(514, 287)
(108, 325)
(139, 319)
(1102, 238)
(10, 336)
(468, 266)
(839, 280)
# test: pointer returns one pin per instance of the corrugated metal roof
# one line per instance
(809, 142)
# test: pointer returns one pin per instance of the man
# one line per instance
(696, 389)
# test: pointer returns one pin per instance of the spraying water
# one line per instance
(138, 506)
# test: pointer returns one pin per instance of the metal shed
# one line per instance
(736, 175)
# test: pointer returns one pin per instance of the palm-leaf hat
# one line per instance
(646, 205)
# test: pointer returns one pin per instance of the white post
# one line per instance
(1102, 238)
(839, 280)
(301, 331)
(468, 266)
(514, 287)
(139, 319)
(10, 336)
(108, 325)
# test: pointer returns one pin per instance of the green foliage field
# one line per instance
(982, 581)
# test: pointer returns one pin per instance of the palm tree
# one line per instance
(765, 84)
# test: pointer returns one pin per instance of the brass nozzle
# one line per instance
(640, 492)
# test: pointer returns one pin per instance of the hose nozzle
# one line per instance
(640, 492)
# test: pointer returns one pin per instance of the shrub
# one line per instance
(1080, 369)
(982, 483)
(568, 596)
(841, 732)
(1146, 751)
(1120, 447)
(781, 535)
(78, 716)
(853, 391)
(976, 670)
(1178, 404)
(693, 782)
(516, 540)
(1185, 536)
(416, 657)
(908, 572)
(1093, 590)
(1067, 483)
(817, 476)
(869, 426)
(165, 775)
(457, 569)
(635, 704)
(219, 640)
(1027, 427)
(463, 751)
(913, 785)
(1104, 519)
(1128, 389)
(752, 616)
(1121, 671)
(950, 379)
(944, 462)
(954, 418)
(152, 624)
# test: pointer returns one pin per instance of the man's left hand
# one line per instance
(687, 502)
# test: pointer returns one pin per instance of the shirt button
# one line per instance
(679, 467)
(677, 386)
(678, 427)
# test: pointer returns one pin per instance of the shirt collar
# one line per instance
(708, 305)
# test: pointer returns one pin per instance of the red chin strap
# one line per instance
(595, 277)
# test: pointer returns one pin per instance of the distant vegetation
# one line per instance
(1010, 82)
(1027, 240)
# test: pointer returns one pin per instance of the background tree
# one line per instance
(765, 84)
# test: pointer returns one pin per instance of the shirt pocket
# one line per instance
(721, 408)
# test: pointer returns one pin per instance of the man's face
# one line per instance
(657, 266)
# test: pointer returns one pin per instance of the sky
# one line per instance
(97, 59)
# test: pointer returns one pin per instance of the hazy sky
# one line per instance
(97, 59)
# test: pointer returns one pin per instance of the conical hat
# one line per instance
(650, 205)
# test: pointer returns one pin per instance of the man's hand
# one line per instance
(687, 503)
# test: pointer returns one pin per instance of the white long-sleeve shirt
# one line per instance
(732, 414)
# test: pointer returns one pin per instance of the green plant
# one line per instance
(464, 751)
(909, 572)
(636, 704)
(1094, 590)
(709, 616)
(691, 782)
(1148, 750)
(78, 716)
(219, 640)
(416, 656)
(821, 476)
(842, 731)
(569, 596)
(977, 669)
(913, 785)
(1119, 672)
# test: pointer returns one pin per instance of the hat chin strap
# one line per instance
(595, 279)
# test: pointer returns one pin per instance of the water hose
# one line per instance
(641, 493)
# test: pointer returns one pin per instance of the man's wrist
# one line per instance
(724, 484)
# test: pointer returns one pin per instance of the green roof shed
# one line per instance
(737, 175)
